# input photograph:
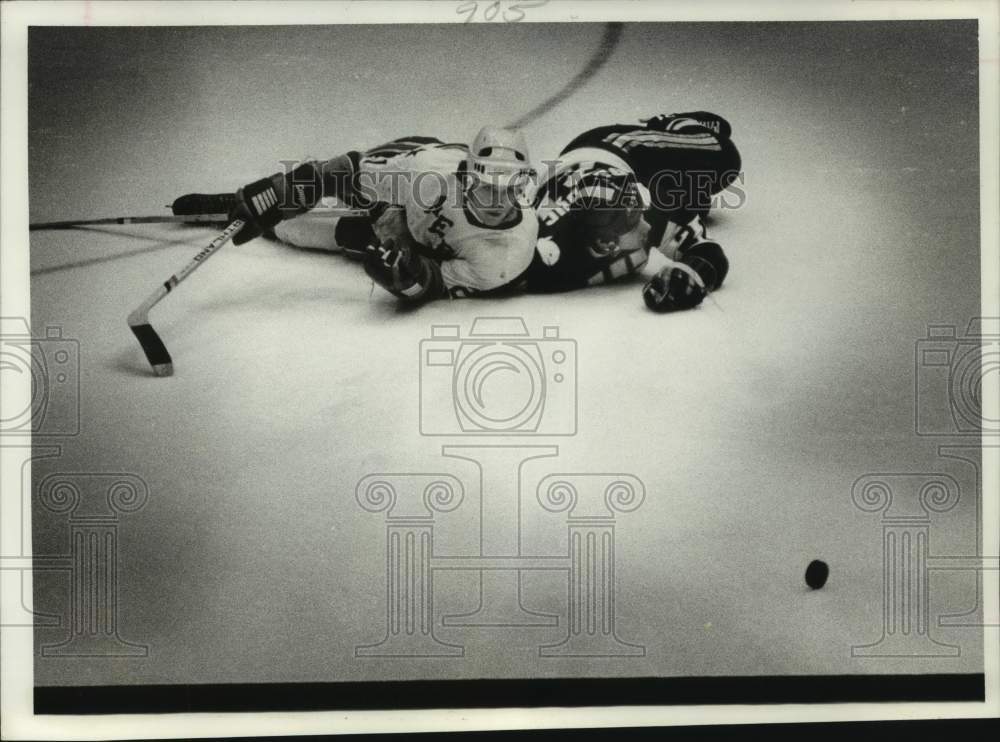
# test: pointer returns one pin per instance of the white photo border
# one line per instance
(16, 645)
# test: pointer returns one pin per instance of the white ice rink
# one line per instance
(748, 420)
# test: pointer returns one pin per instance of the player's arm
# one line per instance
(412, 177)
(697, 266)
(358, 179)
(268, 201)
(397, 263)
(689, 244)
(402, 271)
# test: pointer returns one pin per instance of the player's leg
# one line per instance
(677, 219)
(310, 230)
(685, 191)
(399, 146)
(727, 166)
(351, 235)
(314, 230)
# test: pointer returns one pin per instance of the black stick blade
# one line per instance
(155, 350)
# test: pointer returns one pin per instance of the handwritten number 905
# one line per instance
(491, 10)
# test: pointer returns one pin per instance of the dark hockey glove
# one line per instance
(266, 202)
(400, 270)
(257, 205)
(675, 287)
(355, 236)
(708, 261)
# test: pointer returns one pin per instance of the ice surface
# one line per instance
(747, 419)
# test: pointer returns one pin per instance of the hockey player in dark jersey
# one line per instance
(619, 191)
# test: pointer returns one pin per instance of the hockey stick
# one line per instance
(138, 320)
(166, 219)
(178, 219)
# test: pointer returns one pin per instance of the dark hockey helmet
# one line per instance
(609, 205)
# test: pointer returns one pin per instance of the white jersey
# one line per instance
(473, 257)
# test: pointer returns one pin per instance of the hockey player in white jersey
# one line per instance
(454, 221)
(443, 219)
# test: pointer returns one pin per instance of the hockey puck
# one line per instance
(816, 574)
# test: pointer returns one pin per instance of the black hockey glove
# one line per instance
(355, 236)
(266, 202)
(400, 270)
(258, 206)
(708, 261)
(675, 287)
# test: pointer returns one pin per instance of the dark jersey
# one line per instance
(650, 152)
(586, 207)
(669, 149)
(682, 159)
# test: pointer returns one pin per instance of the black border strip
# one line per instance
(879, 731)
(568, 692)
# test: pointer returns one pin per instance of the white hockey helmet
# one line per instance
(500, 157)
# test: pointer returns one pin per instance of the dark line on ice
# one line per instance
(612, 35)
(161, 245)
(609, 41)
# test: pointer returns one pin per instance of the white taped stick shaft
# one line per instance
(139, 315)
(153, 347)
